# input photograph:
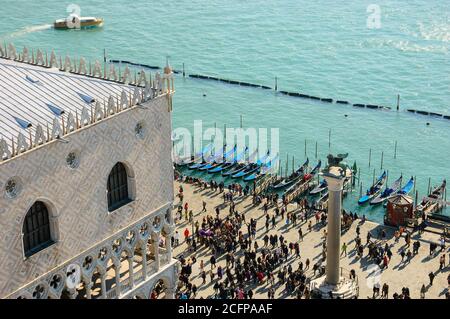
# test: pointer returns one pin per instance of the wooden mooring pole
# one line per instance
(395, 150)
(382, 154)
(370, 155)
(387, 178)
(316, 151)
(360, 190)
(293, 164)
(329, 139)
(305, 147)
(417, 198)
(287, 164)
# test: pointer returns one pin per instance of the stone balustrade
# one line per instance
(134, 241)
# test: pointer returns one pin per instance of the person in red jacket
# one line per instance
(186, 234)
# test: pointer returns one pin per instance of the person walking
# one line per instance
(204, 207)
(385, 291)
(423, 290)
(177, 238)
(212, 260)
(186, 234)
(307, 262)
(344, 249)
(431, 275)
(300, 234)
(442, 262)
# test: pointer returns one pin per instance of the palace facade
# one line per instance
(86, 179)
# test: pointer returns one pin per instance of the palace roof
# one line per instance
(42, 100)
(31, 95)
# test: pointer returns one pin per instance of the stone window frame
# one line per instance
(53, 217)
(131, 183)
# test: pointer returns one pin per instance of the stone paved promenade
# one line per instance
(399, 274)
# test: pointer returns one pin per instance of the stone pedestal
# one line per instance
(345, 289)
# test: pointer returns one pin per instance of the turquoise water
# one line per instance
(321, 48)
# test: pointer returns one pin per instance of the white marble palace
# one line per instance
(86, 179)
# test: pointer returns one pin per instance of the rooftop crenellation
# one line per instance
(43, 97)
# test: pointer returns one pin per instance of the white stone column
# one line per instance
(88, 287)
(72, 293)
(117, 272)
(335, 187)
(131, 272)
(155, 243)
(169, 246)
(169, 293)
(103, 283)
(144, 260)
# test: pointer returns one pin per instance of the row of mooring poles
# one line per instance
(382, 155)
(275, 86)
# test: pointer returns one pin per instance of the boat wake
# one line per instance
(404, 45)
(26, 30)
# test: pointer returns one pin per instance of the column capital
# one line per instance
(334, 178)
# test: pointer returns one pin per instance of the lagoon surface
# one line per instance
(320, 48)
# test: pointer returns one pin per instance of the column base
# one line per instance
(345, 289)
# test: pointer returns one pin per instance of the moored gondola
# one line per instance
(374, 190)
(387, 192)
(292, 178)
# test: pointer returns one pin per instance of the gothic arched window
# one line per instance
(36, 229)
(118, 187)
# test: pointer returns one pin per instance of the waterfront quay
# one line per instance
(411, 274)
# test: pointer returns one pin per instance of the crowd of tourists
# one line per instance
(273, 263)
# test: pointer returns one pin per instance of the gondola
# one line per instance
(221, 167)
(374, 190)
(323, 198)
(435, 194)
(202, 163)
(240, 166)
(218, 160)
(249, 169)
(192, 159)
(407, 188)
(227, 164)
(195, 158)
(252, 167)
(305, 177)
(264, 170)
(212, 165)
(234, 169)
(319, 188)
(387, 192)
(294, 177)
